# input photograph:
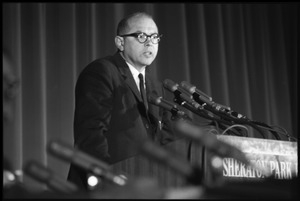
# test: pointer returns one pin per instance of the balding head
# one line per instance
(125, 24)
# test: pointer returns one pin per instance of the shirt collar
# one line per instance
(134, 71)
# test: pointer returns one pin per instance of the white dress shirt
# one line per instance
(135, 73)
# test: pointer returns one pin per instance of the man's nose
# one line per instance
(148, 41)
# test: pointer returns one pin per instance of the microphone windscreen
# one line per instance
(170, 85)
(193, 89)
(188, 87)
(154, 99)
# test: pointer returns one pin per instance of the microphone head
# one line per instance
(170, 85)
(154, 99)
(60, 150)
(188, 87)
(37, 171)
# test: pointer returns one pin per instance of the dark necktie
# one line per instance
(142, 90)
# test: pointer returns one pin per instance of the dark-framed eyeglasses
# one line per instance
(143, 37)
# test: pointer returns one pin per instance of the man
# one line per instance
(111, 117)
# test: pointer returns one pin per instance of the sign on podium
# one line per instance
(280, 158)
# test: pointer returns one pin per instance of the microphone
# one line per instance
(214, 145)
(85, 161)
(193, 90)
(224, 112)
(201, 97)
(182, 98)
(159, 101)
(179, 93)
(45, 175)
(193, 174)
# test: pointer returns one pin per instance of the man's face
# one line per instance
(136, 53)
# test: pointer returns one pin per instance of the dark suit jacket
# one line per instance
(110, 117)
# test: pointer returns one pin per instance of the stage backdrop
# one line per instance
(242, 55)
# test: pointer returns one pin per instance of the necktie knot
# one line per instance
(141, 77)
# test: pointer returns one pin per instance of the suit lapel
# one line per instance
(132, 85)
(125, 72)
(150, 86)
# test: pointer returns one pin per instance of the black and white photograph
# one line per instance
(150, 100)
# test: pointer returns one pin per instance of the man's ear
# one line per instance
(119, 42)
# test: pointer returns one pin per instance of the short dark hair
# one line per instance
(123, 24)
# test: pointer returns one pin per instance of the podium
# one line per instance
(238, 180)
(279, 157)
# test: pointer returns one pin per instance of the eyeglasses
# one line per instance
(142, 37)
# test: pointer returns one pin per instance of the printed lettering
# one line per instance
(225, 167)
